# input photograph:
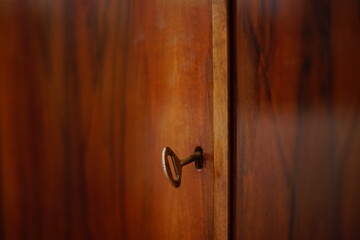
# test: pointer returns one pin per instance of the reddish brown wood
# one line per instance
(221, 115)
(90, 93)
(168, 103)
(297, 114)
(61, 110)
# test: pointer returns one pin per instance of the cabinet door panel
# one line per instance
(90, 94)
(168, 102)
(296, 148)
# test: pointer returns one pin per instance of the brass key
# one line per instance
(175, 178)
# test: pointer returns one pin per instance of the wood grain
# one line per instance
(90, 93)
(61, 107)
(169, 102)
(221, 119)
(297, 110)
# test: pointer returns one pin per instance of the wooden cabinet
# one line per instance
(92, 91)
(170, 96)
(296, 143)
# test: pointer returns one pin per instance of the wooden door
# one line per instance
(297, 119)
(170, 99)
(90, 93)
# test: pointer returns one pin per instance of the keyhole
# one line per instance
(200, 163)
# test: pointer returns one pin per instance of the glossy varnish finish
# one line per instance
(90, 93)
(296, 119)
(169, 102)
(221, 119)
(62, 107)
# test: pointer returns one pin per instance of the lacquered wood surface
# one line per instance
(297, 115)
(221, 103)
(90, 93)
(169, 102)
(62, 107)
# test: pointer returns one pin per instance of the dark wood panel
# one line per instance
(62, 65)
(297, 110)
(90, 93)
